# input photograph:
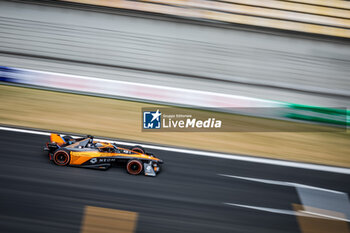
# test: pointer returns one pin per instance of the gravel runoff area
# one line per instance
(122, 119)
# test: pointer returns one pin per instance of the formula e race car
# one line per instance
(86, 152)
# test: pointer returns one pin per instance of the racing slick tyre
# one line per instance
(61, 158)
(134, 167)
(138, 149)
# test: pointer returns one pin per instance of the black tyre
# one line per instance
(134, 167)
(61, 158)
(138, 149)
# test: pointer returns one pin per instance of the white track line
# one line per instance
(270, 210)
(282, 183)
(324, 216)
(289, 212)
(215, 154)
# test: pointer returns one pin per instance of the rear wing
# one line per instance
(56, 138)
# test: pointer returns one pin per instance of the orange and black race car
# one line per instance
(86, 152)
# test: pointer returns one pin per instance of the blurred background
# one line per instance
(90, 66)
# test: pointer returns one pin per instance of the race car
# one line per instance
(86, 152)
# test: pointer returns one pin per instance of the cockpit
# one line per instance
(88, 143)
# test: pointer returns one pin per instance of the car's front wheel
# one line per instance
(61, 158)
(134, 167)
(138, 149)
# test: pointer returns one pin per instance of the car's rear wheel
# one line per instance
(138, 149)
(61, 158)
(134, 167)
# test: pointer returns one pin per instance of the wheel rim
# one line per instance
(61, 158)
(134, 167)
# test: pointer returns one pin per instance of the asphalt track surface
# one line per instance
(187, 196)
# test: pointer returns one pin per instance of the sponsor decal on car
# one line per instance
(93, 160)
